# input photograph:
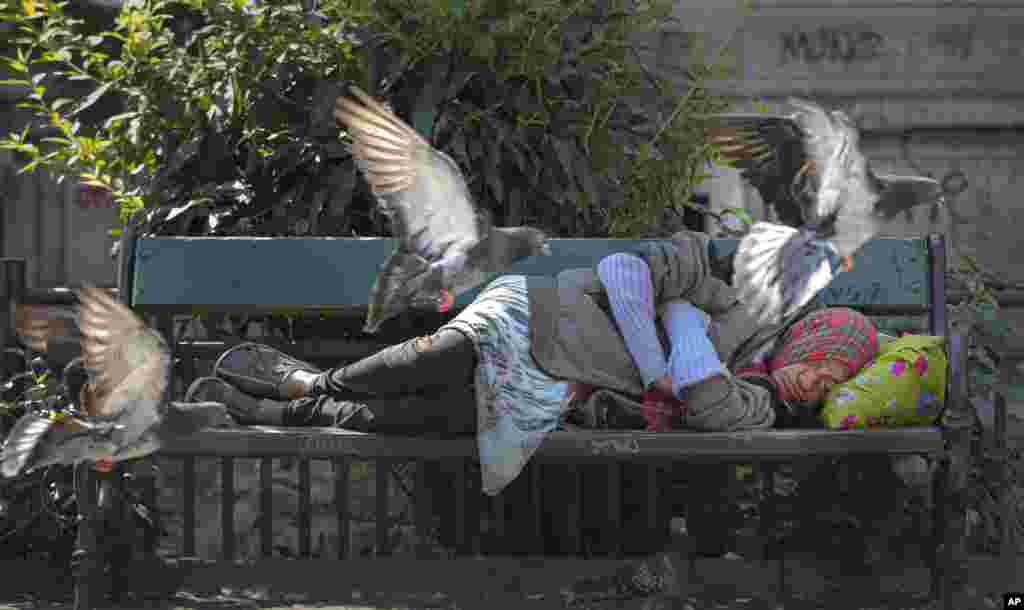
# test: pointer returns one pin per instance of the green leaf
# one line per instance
(456, 8)
(60, 103)
(15, 65)
(119, 118)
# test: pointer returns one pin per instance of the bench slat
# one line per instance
(382, 519)
(536, 502)
(342, 468)
(189, 498)
(305, 509)
(336, 273)
(227, 507)
(260, 441)
(422, 507)
(266, 507)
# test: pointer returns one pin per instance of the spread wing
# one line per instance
(419, 187)
(845, 185)
(129, 361)
(807, 165)
(769, 152)
(37, 440)
(21, 443)
(37, 325)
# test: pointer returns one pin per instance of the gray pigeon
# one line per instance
(446, 245)
(808, 166)
(122, 412)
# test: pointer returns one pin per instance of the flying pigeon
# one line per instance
(122, 414)
(446, 245)
(807, 165)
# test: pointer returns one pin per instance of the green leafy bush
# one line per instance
(227, 123)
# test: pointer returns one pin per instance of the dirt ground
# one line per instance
(512, 584)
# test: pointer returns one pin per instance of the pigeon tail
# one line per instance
(779, 269)
(21, 443)
(38, 440)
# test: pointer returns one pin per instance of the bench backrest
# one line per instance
(892, 277)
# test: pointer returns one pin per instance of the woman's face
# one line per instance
(809, 382)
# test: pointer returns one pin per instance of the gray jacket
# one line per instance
(574, 336)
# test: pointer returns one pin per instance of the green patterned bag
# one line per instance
(904, 386)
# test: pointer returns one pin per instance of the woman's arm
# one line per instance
(627, 282)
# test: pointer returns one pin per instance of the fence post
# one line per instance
(13, 284)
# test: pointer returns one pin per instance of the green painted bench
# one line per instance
(895, 280)
(163, 276)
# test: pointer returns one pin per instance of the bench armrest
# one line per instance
(958, 413)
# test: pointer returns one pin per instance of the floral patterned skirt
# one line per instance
(517, 403)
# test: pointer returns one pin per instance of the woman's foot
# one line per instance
(319, 412)
(264, 372)
(244, 409)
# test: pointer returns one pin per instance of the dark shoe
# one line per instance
(244, 409)
(262, 371)
(321, 412)
(328, 412)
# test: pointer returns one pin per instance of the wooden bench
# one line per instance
(166, 276)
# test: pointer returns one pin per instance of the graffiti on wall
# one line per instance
(837, 45)
(955, 40)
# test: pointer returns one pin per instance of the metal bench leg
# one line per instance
(934, 538)
(953, 524)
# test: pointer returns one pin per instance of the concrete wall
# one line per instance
(934, 85)
(64, 240)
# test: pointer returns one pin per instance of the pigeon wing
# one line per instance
(843, 180)
(21, 443)
(129, 361)
(38, 440)
(420, 188)
(37, 325)
(768, 150)
(778, 270)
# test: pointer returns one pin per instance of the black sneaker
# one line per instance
(262, 371)
(209, 389)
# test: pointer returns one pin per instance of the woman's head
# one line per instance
(825, 348)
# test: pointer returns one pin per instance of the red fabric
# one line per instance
(658, 411)
(580, 392)
(654, 407)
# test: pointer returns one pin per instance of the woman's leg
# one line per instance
(448, 413)
(429, 364)
(693, 357)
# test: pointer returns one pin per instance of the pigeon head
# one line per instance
(405, 282)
